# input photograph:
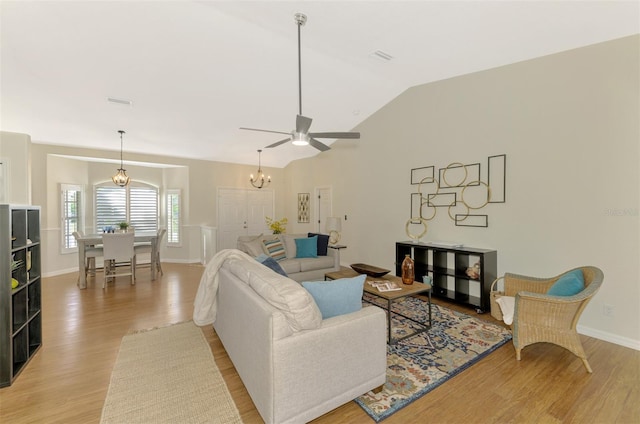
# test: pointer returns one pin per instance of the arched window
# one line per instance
(136, 204)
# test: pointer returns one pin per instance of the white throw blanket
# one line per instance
(507, 306)
(206, 304)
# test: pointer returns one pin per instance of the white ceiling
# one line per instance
(196, 71)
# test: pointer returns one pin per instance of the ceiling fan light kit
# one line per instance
(301, 135)
(300, 139)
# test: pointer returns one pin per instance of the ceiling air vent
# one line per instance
(379, 54)
(120, 101)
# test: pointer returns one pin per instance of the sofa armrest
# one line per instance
(343, 359)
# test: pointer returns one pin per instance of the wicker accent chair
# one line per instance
(539, 317)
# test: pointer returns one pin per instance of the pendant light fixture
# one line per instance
(121, 179)
(259, 181)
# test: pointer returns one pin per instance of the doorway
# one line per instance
(323, 195)
(242, 212)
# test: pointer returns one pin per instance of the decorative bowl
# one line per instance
(370, 270)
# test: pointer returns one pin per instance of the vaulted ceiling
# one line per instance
(196, 71)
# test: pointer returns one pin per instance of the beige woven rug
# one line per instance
(167, 375)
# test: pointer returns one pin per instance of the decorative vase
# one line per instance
(408, 272)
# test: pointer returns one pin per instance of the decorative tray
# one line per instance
(370, 270)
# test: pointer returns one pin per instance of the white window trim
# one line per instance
(169, 243)
(81, 211)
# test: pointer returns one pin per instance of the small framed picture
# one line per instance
(303, 208)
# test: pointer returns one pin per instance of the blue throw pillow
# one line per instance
(337, 297)
(307, 247)
(569, 284)
(323, 243)
(269, 262)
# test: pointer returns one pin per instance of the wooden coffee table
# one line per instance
(390, 296)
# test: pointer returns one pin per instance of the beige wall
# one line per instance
(568, 124)
(197, 180)
(15, 153)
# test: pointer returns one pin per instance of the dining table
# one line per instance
(88, 240)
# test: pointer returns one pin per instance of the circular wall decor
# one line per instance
(412, 221)
(476, 183)
(428, 180)
(453, 216)
(451, 166)
(422, 205)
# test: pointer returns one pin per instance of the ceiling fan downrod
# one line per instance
(300, 19)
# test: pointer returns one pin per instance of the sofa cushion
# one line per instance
(307, 247)
(254, 247)
(271, 263)
(275, 249)
(289, 241)
(288, 296)
(323, 243)
(337, 297)
(311, 264)
(251, 245)
(569, 284)
(290, 266)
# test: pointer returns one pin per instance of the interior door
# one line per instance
(323, 196)
(232, 217)
(259, 206)
(241, 212)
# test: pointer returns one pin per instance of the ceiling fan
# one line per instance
(301, 135)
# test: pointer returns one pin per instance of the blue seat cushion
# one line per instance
(337, 297)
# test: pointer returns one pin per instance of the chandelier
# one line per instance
(121, 179)
(259, 181)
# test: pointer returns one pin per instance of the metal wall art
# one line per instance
(460, 189)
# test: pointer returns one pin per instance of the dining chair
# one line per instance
(118, 253)
(144, 248)
(90, 254)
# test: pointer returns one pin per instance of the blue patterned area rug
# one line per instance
(419, 364)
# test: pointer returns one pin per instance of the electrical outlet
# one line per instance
(607, 310)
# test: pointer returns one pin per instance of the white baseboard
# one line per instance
(60, 272)
(608, 337)
(75, 269)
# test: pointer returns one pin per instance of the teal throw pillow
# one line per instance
(569, 284)
(337, 297)
(307, 247)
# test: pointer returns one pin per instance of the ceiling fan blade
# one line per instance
(277, 143)
(335, 134)
(302, 124)
(269, 131)
(320, 146)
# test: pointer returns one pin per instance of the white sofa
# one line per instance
(295, 365)
(298, 269)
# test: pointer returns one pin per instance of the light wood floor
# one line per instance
(66, 382)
